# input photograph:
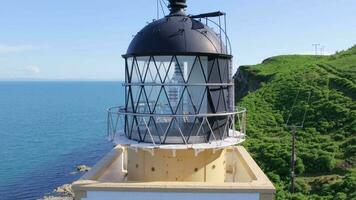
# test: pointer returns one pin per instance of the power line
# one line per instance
(305, 111)
(290, 113)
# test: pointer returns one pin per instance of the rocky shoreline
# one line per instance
(65, 191)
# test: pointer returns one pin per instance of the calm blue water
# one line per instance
(47, 129)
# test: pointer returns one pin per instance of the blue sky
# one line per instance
(84, 39)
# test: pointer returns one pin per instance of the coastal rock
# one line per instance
(63, 192)
(56, 198)
(83, 168)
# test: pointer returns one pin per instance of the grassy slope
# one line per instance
(326, 146)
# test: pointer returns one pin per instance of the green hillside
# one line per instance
(326, 146)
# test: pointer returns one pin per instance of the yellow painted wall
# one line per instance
(185, 165)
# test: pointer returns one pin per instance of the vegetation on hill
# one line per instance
(284, 87)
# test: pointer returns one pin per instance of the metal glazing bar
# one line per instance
(226, 129)
(166, 132)
(149, 132)
(159, 75)
(211, 130)
(211, 70)
(202, 69)
(193, 65)
(200, 127)
(169, 68)
(181, 133)
(191, 129)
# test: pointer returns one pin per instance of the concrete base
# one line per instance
(228, 173)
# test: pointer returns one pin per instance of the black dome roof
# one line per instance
(176, 34)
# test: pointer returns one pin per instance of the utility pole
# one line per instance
(293, 128)
(322, 50)
(293, 159)
(316, 48)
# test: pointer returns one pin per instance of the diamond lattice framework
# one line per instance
(172, 89)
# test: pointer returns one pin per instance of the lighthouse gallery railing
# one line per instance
(235, 129)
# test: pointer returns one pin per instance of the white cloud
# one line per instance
(27, 71)
(33, 69)
(16, 48)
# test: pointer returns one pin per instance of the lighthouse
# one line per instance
(177, 135)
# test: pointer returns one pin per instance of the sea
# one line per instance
(47, 128)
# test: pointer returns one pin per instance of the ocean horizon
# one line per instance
(47, 128)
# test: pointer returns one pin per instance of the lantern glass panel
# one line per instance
(174, 89)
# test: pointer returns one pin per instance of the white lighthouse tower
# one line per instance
(178, 134)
